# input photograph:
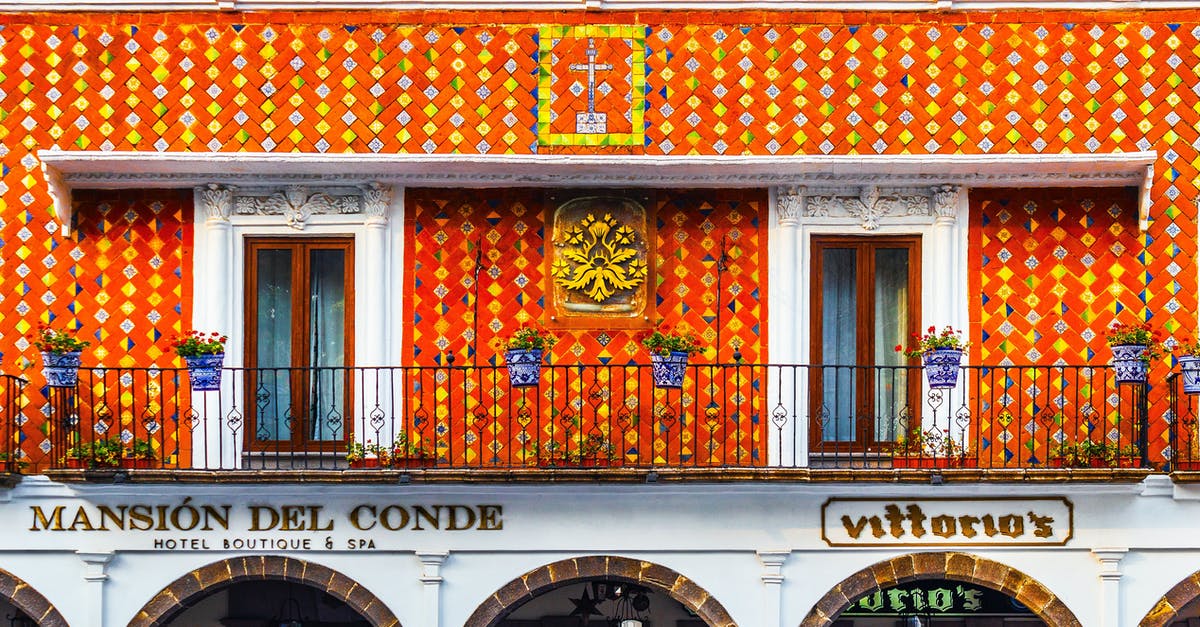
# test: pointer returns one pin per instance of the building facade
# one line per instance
(366, 205)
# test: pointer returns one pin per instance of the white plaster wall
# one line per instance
(709, 533)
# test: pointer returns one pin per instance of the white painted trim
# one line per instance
(65, 170)
(594, 5)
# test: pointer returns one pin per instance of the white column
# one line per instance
(772, 579)
(95, 567)
(946, 305)
(790, 447)
(1110, 584)
(214, 246)
(431, 581)
(373, 339)
(377, 200)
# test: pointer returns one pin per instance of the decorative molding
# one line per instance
(894, 175)
(297, 204)
(772, 562)
(870, 204)
(1110, 562)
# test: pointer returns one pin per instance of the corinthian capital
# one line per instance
(789, 203)
(216, 201)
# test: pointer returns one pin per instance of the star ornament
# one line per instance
(585, 606)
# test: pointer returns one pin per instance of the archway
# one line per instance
(651, 576)
(1180, 603)
(193, 587)
(24, 599)
(942, 565)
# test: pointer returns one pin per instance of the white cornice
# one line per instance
(66, 170)
(591, 5)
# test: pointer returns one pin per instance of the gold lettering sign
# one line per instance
(599, 262)
(942, 522)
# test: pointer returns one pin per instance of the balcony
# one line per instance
(727, 421)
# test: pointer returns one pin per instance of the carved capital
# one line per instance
(216, 201)
(945, 202)
(377, 197)
(789, 200)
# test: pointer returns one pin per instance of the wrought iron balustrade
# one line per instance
(588, 416)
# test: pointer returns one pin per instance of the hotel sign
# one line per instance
(865, 522)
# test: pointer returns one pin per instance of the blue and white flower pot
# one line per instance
(1129, 363)
(668, 370)
(524, 366)
(205, 371)
(61, 369)
(941, 367)
(1189, 365)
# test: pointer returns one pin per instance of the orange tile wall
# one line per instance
(715, 83)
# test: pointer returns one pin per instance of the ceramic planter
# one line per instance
(524, 366)
(205, 371)
(1129, 363)
(668, 370)
(941, 367)
(61, 369)
(1189, 365)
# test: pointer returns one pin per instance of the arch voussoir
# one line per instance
(950, 565)
(654, 576)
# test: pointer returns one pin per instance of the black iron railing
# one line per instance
(593, 416)
(1181, 416)
(12, 418)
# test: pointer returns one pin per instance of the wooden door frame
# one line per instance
(864, 246)
(298, 385)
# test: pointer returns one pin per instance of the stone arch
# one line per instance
(1167, 609)
(546, 578)
(183, 592)
(942, 565)
(29, 601)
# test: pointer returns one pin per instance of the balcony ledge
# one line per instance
(620, 475)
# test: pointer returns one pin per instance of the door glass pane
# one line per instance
(891, 321)
(839, 326)
(327, 339)
(273, 294)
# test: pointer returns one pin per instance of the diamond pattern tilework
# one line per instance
(124, 288)
(1055, 269)
(445, 228)
(730, 83)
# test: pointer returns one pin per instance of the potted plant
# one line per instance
(1089, 454)
(915, 448)
(204, 354)
(138, 454)
(1189, 365)
(523, 355)
(941, 354)
(409, 454)
(597, 451)
(13, 462)
(1133, 347)
(105, 453)
(363, 455)
(669, 354)
(60, 356)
